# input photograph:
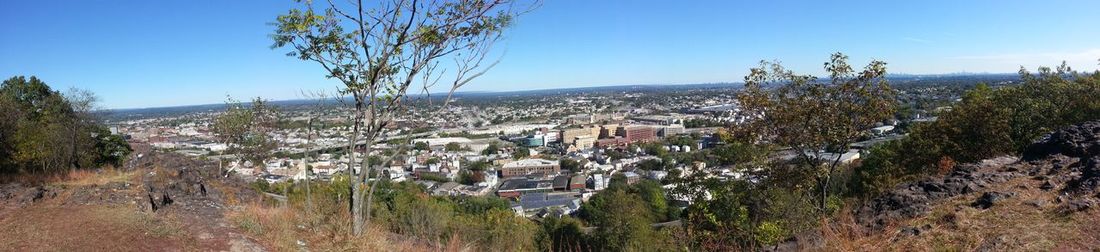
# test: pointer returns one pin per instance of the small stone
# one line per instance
(989, 198)
(1047, 186)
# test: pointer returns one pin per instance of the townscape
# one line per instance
(545, 152)
(563, 125)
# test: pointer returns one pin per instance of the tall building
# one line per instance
(568, 136)
(637, 133)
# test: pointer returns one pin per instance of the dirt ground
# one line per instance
(158, 202)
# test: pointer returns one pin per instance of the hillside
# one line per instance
(156, 202)
(1045, 200)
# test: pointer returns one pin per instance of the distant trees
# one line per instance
(521, 152)
(379, 50)
(568, 164)
(452, 146)
(812, 116)
(43, 130)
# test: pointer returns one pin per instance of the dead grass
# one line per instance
(282, 228)
(96, 177)
(89, 228)
(70, 177)
(1012, 224)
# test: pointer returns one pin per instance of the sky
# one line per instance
(136, 54)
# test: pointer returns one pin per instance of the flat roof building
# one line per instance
(533, 166)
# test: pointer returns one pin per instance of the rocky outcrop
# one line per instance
(1067, 161)
(915, 199)
(1080, 141)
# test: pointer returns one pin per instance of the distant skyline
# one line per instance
(168, 53)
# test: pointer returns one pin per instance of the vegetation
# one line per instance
(246, 129)
(379, 52)
(45, 131)
(987, 122)
(484, 223)
(812, 117)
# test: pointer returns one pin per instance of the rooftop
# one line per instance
(530, 162)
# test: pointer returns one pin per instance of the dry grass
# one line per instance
(89, 228)
(282, 228)
(70, 177)
(96, 177)
(1012, 224)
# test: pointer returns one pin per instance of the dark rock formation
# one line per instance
(915, 199)
(1082, 140)
(1069, 157)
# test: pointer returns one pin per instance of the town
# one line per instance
(546, 152)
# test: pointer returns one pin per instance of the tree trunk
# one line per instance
(828, 179)
(364, 175)
(356, 214)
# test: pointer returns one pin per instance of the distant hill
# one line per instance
(965, 79)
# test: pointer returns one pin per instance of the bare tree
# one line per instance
(84, 103)
(380, 50)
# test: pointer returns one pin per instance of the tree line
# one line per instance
(46, 131)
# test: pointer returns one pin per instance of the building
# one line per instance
(561, 183)
(442, 141)
(637, 133)
(671, 130)
(597, 182)
(547, 204)
(534, 141)
(882, 129)
(514, 188)
(577, 182)
(530, 166)
(632, 177)
(584, 142)
(569, 136)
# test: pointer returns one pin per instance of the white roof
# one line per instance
(529, 162)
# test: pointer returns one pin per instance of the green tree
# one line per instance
(562, 234)
(622, 222)
(420, 146)
(492, 149)
(44, 130)
(569, 165)
(813, 117)
(246, 129)
(378, 51)
(521, 152)
(452, 146)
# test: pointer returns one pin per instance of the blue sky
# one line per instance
(165, 53)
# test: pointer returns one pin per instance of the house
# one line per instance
(632, 177)
(577, 182)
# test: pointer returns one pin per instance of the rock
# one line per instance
(1047, 186)
(1082, 140)
(988, 199)
(1077, 206)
